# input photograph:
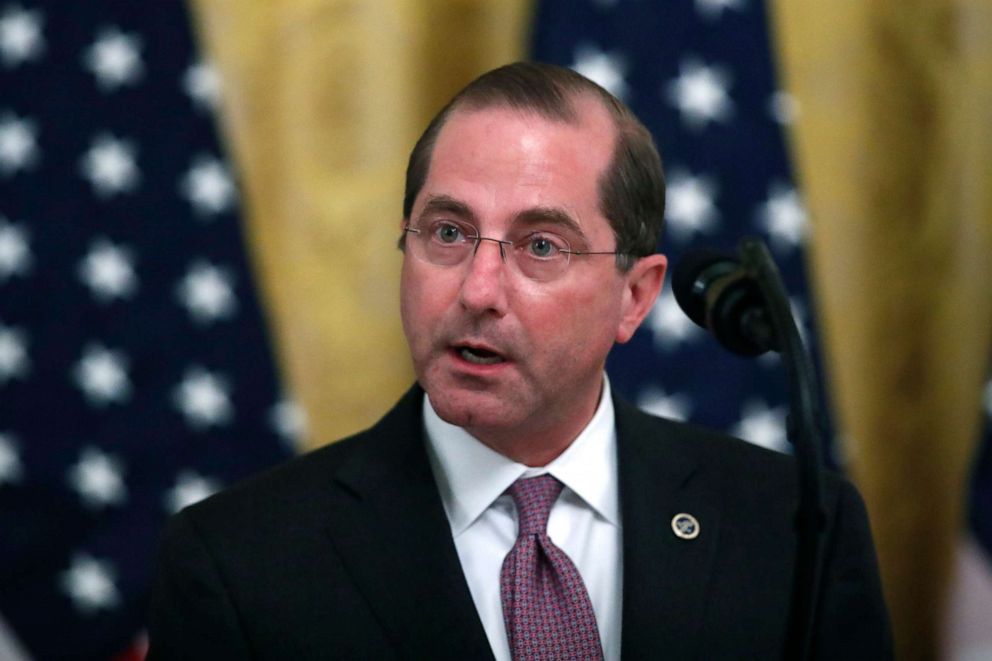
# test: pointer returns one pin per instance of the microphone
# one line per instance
(718, 293)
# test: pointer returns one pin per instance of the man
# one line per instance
(518, 510)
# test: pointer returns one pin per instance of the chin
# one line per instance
(468, 409)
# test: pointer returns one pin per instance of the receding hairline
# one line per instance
(576, 109)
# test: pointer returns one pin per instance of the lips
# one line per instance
(478, 354)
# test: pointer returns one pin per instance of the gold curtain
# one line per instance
(322, 102)
(894, 150)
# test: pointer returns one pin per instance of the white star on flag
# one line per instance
(114, 59)
(783, 107)
(657, 402)
(700, 94)
(20, 36)
(102, 376)
(208, 186)
(669, 324)
(13, 353)
(784, 218)
(108, 271)
(15, 257)
(762, 425)
(207, 293)
(289, 420)
(201, 82)
(203, 399)
(109, 164)
(89, 583)
(10, 462)
(689, 205)
(770, 360)
(97, 479)
(190, 488)
(605, 69)
(18, 144)
(714, 8)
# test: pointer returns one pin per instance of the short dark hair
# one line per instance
(631, 190)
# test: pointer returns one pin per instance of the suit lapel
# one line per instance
(390, 531)
(665, 578)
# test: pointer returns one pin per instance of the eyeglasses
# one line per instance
(538, 255)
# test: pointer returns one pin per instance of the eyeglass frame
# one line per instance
(478, 239)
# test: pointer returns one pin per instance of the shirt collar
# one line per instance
(471, 475)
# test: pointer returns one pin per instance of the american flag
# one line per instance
(700, 75)
(135, 374)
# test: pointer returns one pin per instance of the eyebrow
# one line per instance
(550, 216)
(447, 204)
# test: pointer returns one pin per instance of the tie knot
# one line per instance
(534, 497)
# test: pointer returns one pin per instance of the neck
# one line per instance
(529, 452)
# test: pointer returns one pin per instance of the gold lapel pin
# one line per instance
(685, 526)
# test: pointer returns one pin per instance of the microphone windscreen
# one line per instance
(693, 274)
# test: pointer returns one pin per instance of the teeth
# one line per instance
(473, 357)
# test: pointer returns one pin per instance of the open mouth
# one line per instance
(478, 356)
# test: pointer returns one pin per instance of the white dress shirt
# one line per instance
(584, 522)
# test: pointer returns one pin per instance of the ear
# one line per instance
(401, 242)
(643, 284)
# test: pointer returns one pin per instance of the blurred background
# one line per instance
(199, 207)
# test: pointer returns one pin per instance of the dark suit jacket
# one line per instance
(346, 553)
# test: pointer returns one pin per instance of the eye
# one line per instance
(447, 232)
(544, 246)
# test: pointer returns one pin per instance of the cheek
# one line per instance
(423, 300)
(411, 303)
(584, 319)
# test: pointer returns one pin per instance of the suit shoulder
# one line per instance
(696, 440)
(739, 461)
(291, 486)
(297, 482)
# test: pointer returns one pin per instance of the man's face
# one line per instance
(508, 172)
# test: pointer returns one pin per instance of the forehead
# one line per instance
(501, 161)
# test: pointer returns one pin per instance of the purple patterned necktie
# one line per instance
(545, 604)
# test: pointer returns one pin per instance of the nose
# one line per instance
(499, 244)
(483, 288)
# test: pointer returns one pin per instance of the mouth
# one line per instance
(478, 355)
